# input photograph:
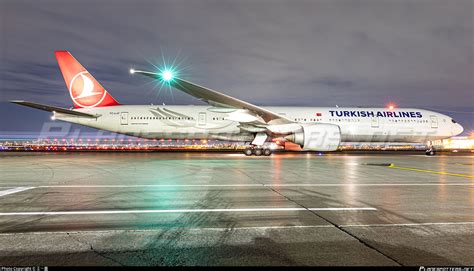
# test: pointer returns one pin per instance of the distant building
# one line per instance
(458, 142)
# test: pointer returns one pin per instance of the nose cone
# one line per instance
(457, 129)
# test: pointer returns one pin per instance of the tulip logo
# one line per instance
(84, 91)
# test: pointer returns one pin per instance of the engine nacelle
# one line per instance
(317, 137)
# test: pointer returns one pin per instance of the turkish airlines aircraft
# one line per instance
(231, 119)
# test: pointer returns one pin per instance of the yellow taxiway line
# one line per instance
(432, 171)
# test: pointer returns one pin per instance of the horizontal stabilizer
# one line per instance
(55, 109)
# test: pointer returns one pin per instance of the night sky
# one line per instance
(311, 53)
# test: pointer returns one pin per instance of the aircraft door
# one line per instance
(434, 122)
(374, 122)
(202, 118)
(124, 118)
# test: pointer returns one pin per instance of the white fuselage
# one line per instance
(206, 122)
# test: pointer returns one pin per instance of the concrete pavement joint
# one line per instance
(329, 221)
(341, 229)
(94, 250)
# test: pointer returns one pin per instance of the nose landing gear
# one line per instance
(430, 151)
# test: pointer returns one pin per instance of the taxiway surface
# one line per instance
(228, 209)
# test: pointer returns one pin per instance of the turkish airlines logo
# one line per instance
(84, 90)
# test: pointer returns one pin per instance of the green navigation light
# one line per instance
(167, 75)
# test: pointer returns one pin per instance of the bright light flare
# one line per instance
(391, 106)
(167, 75)
(132, 71)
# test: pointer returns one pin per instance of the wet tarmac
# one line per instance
(229, 209)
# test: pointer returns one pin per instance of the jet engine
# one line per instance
(317, 137)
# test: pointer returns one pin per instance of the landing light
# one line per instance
(132, 71)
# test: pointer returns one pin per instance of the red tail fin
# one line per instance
(85, 91)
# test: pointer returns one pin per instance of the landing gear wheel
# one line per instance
(267, 152)
(248, 152)
(430, 152)
(258, 152)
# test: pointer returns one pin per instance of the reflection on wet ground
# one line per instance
(229, 209)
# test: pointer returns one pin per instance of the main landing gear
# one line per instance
(257, 151)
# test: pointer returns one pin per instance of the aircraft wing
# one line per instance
(55, 109)
(216, 98)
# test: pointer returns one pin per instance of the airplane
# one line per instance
(320, 129)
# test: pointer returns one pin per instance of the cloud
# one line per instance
(321, 53)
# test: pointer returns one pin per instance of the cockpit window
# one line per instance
(453, 121)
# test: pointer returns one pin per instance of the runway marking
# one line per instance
(432, 171)
(410, 224)
(376, 184)
(14, 190)
(240, 228)
(186, 211)
(177, 228)
(252, 185)
(149, 185)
